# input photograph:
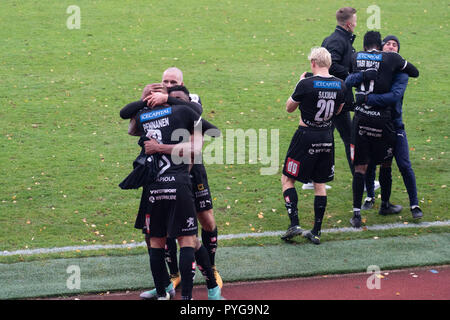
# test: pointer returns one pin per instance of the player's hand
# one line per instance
(370, 74)
(303, 76)
(153, 87)
(156, 99)
(151, 146)
(360, 98)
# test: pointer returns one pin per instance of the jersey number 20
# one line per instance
(326, 109)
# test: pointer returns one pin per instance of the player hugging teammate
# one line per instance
(311, 152)
(373, 134)
(167, 209)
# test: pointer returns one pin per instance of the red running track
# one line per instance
(427, 283)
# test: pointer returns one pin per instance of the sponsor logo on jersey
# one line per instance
(165, 179)
(369, 56)
(155, 114)
(321, 84)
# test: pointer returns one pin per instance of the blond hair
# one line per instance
(321, 56)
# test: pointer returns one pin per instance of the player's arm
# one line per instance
(336, 49)
(152, 146)
(294, 100)
(197, 107)
(401, 65)
(356, 78)
(390, 98)
(340, 108)
(159, 98)
(341, 97)
(411, 70)
(131, 109)
(291, 105)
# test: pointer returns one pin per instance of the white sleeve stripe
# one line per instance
(406, 62)
(294, 100)
(197, 122)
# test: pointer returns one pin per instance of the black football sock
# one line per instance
(290, 202)
(385, 184)
(209, 240)
(320, 203)
(171, 255)
(204, 265)
(159, 270)
(358, 189)
(187, 271)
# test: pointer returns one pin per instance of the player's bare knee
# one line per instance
(287, 182)
(187, 241)
(198, 244)
(361, 168)
(320, 189)
(158, 243)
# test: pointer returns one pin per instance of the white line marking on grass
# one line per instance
(343, 230)
(225, 237)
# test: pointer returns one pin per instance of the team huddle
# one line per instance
(175, 191)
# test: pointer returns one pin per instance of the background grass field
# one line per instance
(64, 149)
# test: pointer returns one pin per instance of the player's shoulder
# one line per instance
(184, 111)
(392, 55)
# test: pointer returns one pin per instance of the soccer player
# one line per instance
(201, 253)
(168, 207)
(340, 46)
(373, 134)
(401, 151)
(310, 156)
(203, 199)
(155, 95)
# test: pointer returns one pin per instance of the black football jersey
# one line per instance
(319, 99)
(161, 122)
(386, 64)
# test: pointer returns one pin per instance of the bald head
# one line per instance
(172, 77)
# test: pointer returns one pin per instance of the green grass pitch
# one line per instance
(64, 148)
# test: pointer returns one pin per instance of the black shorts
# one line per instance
(310, 156)
(200, 187)
(167, 210)
(373, 140)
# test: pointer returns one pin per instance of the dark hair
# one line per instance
(372, 40)
(344, 14)
(178, 88)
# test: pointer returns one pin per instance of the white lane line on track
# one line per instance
(225, 237)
